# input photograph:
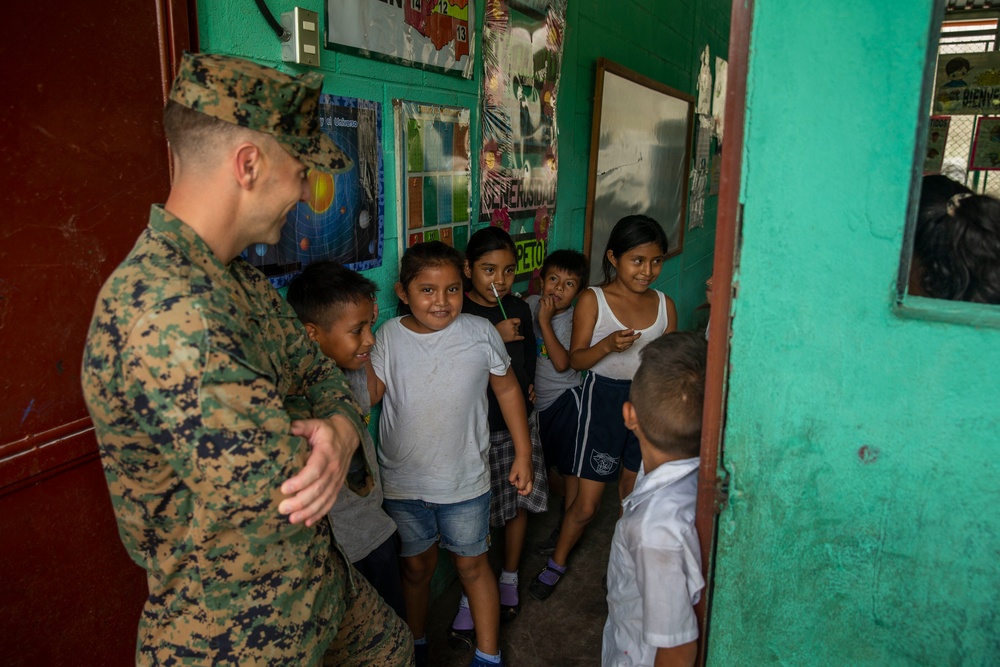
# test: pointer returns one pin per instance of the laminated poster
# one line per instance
(432, 34)
(343, 218)
(522, 57)
(434, 177)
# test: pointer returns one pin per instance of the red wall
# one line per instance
(83, 158)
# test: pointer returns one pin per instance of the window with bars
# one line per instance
(968, 36)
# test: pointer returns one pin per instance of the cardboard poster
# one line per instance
(433, 34)
(967, 83)
(986, 146)
(343, 219)
(937, 139)
(522, 57)
(434, 174)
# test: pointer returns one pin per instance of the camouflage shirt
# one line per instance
(186, 373)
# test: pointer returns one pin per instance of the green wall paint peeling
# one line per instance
(864, 518)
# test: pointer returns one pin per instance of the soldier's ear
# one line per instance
(247, 162)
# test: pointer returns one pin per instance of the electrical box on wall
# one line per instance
(302, 27)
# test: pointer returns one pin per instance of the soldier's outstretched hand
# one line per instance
(314, 489)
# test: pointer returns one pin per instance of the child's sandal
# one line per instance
(462, 640)
(539, 589)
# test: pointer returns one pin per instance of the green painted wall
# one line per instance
(659, 38)
(861, 444)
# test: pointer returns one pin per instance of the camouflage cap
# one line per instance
(260, 98)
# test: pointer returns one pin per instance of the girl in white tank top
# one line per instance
(611, 323)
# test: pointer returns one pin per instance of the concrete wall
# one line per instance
(659, 38)
(861, 439)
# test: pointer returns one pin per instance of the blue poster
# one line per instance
(343, 219)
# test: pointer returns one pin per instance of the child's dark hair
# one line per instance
(571, 261)
(487, 240)
(668, 392)
(426, 255)
(319, 294)
(629, 232)
(956, 64)
(956, 249)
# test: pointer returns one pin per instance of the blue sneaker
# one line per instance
(479, 662)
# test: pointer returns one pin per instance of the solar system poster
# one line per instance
(343, 219)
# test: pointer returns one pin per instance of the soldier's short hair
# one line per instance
(668, 392)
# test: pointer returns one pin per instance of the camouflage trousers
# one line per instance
(370, 632)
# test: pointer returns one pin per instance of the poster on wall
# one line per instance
(967, 83)
(522, 56)
(986, 146)
(937, 138)
(433, 34)
(343, 218)
(434, 177)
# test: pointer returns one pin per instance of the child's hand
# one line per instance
(520, 475)
(531, 393)
(546, 308)
(508, 330)
(619, 341)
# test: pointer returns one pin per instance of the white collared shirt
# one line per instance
(654, 571)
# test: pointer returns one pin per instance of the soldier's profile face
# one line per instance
(283, 185)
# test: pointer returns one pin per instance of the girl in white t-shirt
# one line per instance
(611, 324)
(432, 367)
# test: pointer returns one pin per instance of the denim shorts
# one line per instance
(463, 528)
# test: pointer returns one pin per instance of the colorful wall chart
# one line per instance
(434, 173)
(343, 219)
(522, 55)
(433, 34)
(986, 147)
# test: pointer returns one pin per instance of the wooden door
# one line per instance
(83, 157)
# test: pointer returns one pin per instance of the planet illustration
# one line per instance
(304, 243)
(364, 218)
(321, 190)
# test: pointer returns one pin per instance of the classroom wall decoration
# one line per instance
(522, 56)
(967, 83)
(434, 177)
(986, 146)
(433, 34)
(937, 139)
(343, 219)
(640, 156)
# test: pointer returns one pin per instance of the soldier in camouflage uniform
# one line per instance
(191, 364)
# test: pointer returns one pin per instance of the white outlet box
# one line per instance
(302, 46)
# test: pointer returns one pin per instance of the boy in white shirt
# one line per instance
(654, 572)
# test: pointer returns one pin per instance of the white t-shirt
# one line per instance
(434, 434)
(550, 383)
(654, 570)
(623, 365)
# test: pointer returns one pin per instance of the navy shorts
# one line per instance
(557, 428)
(603, 444)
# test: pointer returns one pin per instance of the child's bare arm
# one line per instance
(508, 394)
(558, 354)
(583, 355)
(677, 656)
(376, 388)
(671, 315)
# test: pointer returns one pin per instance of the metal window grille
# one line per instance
(979, 35)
